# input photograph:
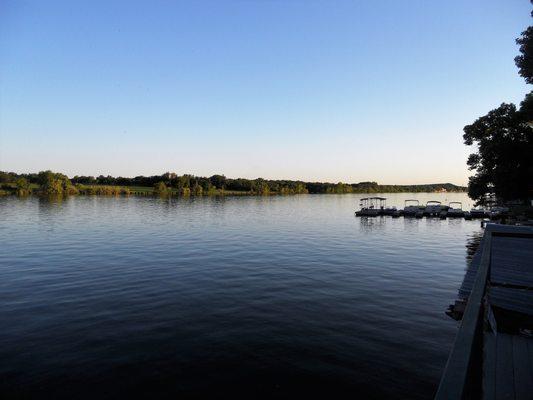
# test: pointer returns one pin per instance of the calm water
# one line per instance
(275, 296)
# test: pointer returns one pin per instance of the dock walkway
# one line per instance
(507, 366)
(492, 357)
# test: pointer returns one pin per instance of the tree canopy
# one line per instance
(503, 158)
(503, 138)
(52, 183)
(524, 61)
(160, 189)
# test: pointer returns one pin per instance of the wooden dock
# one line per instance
(492, 357)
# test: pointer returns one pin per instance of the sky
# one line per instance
(318, 90)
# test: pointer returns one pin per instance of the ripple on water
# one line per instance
(277, 295)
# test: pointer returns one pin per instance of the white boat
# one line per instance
(433, 208)
(410, 208)
(371, 206)
(455, 212)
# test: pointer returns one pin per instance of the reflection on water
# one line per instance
(371, 223)
(472, 244)
(106, 297)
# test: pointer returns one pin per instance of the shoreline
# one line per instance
(124, 191)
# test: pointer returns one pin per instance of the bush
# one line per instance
(160, 189)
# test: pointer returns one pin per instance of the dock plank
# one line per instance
(500, 275)
(523, 368)
(504, 367)
(489, 366)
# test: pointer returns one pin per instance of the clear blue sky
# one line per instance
(325, 90)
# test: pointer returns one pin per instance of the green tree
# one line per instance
(160, 189)
(260, 186)
(526, 107)
(503, 161)
(197, 190)
(4, 177)
(219, 181)
(55, 183)
(524, 61)
(22, 187)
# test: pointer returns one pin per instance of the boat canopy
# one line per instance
(372, 202)
(456, 202)
(433, 202)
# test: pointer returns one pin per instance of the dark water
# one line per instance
(280, 296)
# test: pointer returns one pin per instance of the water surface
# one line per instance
(278, 296)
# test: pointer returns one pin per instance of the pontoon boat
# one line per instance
(410, 208)
(433, 208)
(455, 212)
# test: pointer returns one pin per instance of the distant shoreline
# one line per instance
(110, 191)
(171, 184)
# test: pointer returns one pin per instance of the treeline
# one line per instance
(49, 182)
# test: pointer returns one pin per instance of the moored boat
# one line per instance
(478, 213)
(433, 208)
(388, 211)
(411, 207)
(371, 206)
(455, 212)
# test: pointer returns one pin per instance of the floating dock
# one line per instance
(492, 357)
(376, 207)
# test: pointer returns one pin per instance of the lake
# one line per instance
(246, 296)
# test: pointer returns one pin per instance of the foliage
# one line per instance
(212, 191)
(160, 189)
(22, 186)
(526, 107)
(190, 185)
(197, 190)
(524, 61)
(503, 162)
(55, 183)
(218, 181)
(504, 139)
(102, 190)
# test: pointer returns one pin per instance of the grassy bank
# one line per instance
(114, 190)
